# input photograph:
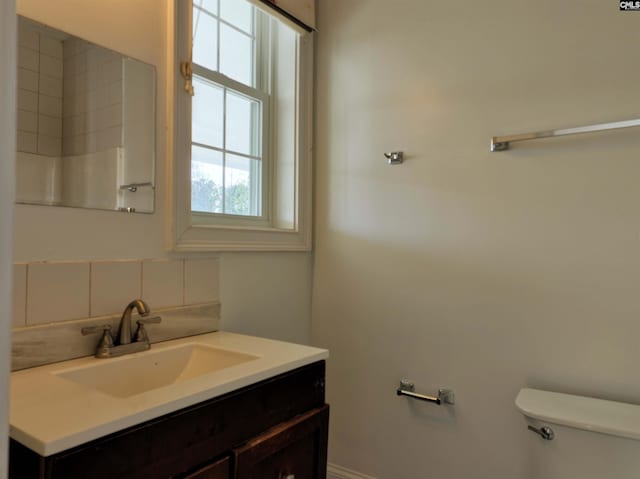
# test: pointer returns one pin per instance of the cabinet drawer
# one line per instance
(218, 470)
(296, 449)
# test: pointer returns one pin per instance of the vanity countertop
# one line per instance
(50, 413)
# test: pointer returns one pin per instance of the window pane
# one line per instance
(242, 190)
(205, 40)
(206, 180)
(210, 6)
(207, 113)
(241, 128)
(236, 55)
(238, 13)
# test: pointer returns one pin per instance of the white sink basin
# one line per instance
(141, 372)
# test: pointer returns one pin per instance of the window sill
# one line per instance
(207, 238)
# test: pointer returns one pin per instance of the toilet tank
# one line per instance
(592, 438)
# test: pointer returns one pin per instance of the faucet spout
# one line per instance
(125, 335)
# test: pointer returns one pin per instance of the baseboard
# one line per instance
(338, 472)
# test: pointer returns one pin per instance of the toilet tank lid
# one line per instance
(590, 414)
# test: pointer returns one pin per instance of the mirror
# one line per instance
(86, 124)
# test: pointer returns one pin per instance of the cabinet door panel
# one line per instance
(296, 449)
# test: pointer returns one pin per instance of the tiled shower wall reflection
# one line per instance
(39, 93)
(92, 109)
(57, 291)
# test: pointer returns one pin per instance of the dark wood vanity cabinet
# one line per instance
(274, 429)
(294, 449)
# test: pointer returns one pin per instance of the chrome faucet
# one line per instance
(127, 343)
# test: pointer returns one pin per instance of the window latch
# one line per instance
(187, 74)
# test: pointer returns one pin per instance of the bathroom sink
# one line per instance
(141, 372)
(62, 405)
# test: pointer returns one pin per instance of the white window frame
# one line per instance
(235, 232)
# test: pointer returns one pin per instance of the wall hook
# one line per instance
(395, 157)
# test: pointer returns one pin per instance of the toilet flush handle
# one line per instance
(545, 433)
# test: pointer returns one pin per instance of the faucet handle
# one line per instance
(153, 320)
(141, 332)
(106, 342)
(95, 329)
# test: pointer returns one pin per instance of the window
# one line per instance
(242, 162)
(229, 109)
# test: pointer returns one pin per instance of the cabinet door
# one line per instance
(219, 470)
(295, 449)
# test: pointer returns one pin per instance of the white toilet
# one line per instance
(592, 438)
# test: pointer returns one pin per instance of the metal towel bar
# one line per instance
(407, 388)
(501, 143)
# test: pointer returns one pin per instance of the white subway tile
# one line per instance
(115, 93)
(114, 115)
(28, 59)
(27, 100)
(50, 85)
(92, 121)
(112, 71)
(50, 106)
(74, 46)
(162, 283)
(79, 105)
(28, 38)
(51, 47)
(49, 145)
(27, 121)
(68, 85)
(49, 126)
(73, 145)
(102, 93)
(91, 142)
(19, 295)
(68, 127)
(57, 292)
(109, 138)
(113, 285)
(102, 117)
(51, 66)
(109, 56)
(102, 142)
(27, 142)
(93, 81)
(93, 104)
(201, 283)
(27, 79)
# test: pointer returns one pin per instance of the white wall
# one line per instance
(143, 30)
(7, 168)
(484, 272)
(267, 294)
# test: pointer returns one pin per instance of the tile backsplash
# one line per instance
(47, 292)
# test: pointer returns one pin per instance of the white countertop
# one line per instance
(590, 414)
(50, 414)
